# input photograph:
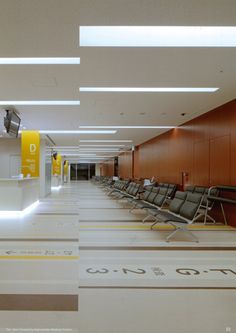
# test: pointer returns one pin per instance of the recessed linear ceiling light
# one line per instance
(150, 89)
(76, 148)
(39, 61)
(158, 36)
(69, 154)
(151, 127)
(106, 141)
(95, 158)
(101, 146)
(75, 132)
(39, 102)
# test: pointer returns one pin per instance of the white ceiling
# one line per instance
(50, 28)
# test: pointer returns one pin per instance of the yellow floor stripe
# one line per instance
(40, 257)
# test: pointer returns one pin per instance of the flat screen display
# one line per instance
(12, 123)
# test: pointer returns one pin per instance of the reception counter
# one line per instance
(17, 194)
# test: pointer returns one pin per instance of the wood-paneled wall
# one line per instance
(125, 165)
(107, 168)
(204, 147)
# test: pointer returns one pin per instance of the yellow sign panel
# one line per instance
(66, 164)
(56, 165)
(30, 153)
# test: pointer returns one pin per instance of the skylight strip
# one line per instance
(150, 89)
(69, 154)
(40, 61)
(106, 141)
(158, 36)
(129, 127)
(39, 103)
(76, 132)
(101, 146)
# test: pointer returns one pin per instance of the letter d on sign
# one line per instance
(33, 148)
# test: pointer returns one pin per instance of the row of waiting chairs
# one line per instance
(183, 208)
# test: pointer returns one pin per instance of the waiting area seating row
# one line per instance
(163, 203)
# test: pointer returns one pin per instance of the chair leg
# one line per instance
(191, 234)
(207, 217)
(145, 219)
(132, 208)
(172, 234)
(182, 229)
(223, 213)
(156, 221)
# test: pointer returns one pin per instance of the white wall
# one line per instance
(10, 153)
(45, 170)
(97, 169)
(10, 162)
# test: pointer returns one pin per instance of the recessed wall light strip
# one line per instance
(158, 36)
(40, 61)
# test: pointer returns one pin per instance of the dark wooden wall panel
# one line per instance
(220, 161)
(125, 165)
(107, 169)
(201, 163)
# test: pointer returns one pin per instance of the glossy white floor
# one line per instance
(130, 279)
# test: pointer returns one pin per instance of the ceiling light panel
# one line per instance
(7, 103)
(76, 132)
(105, 141)
(158, 36)
(39, 61)
(150, 89)
(111, 146)
(130, 127)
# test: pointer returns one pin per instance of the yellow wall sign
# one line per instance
(56, 165)
(66, 164)
(30, 153)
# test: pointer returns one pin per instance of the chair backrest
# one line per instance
(135, 189)
(214, 192)
(190, 206)
(165, 185)
(199, 189)
(177, 202)
(153, 194)
(160, 197)
(147, 192)
(189, 188)
(117, 184)
(171, 190)
(129, 188)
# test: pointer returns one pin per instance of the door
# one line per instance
(73, 172)
(82, 171)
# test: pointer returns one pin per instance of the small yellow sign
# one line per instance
(66, 165)
(30, 153)
(56, 165)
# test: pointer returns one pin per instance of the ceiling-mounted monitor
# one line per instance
(12, 123)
